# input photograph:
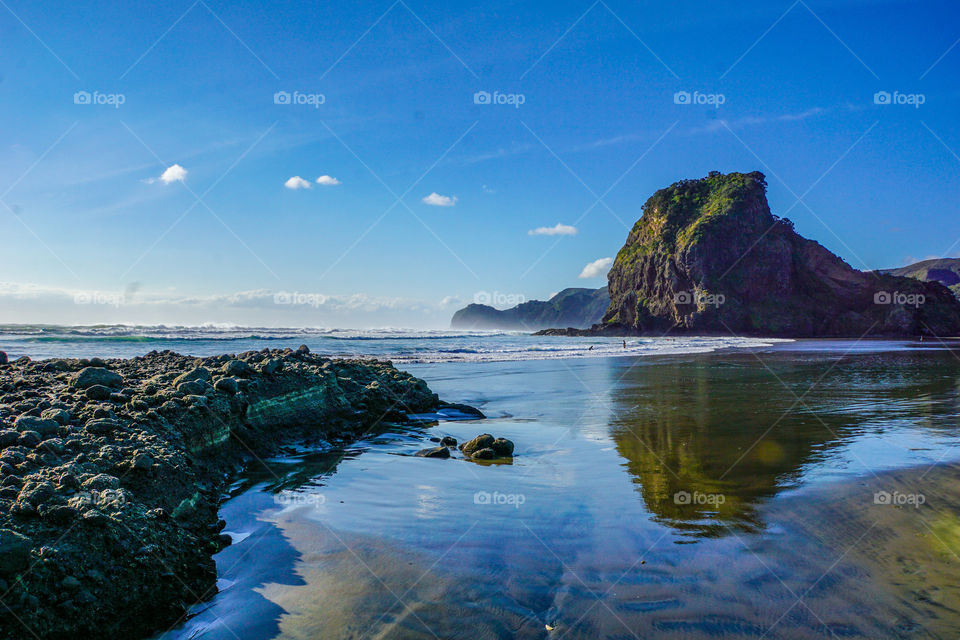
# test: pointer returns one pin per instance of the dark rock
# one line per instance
(227, 385)
(483, 441)
(236, 369)
(57, 415)
(484, 454)
(303, 350)
(8, 437)
(101, 426)
(448, 441)
(29, 439)
(192, 387)
(502, 447)
(98, 392)
(3, 357)
(435, 452)
(14, 552)
(40, 425)
(708, 257)
(271, 366)
(196, 374)
(94, 376)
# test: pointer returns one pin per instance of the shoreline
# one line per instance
(113, 471)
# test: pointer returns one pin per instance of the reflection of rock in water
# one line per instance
(706, 441)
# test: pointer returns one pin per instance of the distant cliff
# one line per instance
(708, 256)
(946, 271)
(570, 308)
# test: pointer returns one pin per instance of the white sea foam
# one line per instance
(397, 344)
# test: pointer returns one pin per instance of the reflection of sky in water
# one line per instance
(597, 547)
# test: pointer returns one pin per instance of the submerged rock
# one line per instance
(435, 452)
(483, 441)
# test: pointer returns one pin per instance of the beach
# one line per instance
(735, 493)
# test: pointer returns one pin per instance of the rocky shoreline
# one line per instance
(111, 472)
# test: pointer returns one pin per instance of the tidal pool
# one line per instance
(804, 490)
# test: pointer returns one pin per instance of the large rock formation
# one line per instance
(570, 308)
(946, 271)
(707, 256)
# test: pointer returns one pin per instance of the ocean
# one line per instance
(399, 345)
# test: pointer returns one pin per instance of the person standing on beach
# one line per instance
(624, 344)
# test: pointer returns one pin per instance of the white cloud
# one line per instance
(596, 268)
(449, 300)
(173, 173)
(556, 230)
(327, 181)
(296, 182)
(437, 200)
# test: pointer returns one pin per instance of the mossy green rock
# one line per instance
(707, 256)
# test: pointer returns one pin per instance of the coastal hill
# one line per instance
(946, 271)
(572, 307)
(707, 256)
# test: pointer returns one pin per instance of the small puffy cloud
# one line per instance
(173, 173)
(437, 200)
(596, 268)
(556, 230)
(449, 300)
(327, 181)
(296, 182)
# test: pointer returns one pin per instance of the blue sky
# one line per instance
(86, 214)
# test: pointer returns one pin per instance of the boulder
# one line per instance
(44, 427)
(483, 441)
(201, 374)
(3, 357)
(98, 392)
(435, 452)
(227, 385)
(92, 376)
(14, 552)
(484, 454)
(236, 368)
(502, 447)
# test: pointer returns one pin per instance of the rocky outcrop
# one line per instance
(946, 271)
(570, 308)
(108, 508)
(708, 257)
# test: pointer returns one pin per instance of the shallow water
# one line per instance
(729, 494)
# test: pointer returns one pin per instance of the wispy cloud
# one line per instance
(558, 229)
(437, 200)
(596, 268)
